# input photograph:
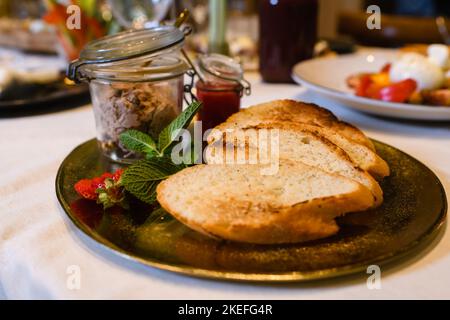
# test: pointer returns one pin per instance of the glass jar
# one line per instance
(136, 82)
(220, 89)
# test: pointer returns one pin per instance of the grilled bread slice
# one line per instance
(296, 145)
(296, 112)
(361, 155)
(237, 202)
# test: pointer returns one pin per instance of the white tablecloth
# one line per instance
(38, 244)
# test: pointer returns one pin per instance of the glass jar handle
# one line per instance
(189, 95)
(72, 71)
(247, 87)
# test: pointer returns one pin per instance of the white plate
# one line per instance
(327, 76)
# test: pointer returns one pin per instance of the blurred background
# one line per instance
(20, 19)
(335, 17)
(268, 36)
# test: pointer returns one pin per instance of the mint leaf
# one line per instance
(137, 141)
(141, 178)
(152, 155)
(171, 132)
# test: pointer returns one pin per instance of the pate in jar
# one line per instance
(136, 82)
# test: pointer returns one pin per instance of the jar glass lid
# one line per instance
(222, 68)
(125, 47)
(132, 43)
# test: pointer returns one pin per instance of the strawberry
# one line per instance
(105, 189)
(107, 175)
(85, 189)
(98, 182)
(117, 175)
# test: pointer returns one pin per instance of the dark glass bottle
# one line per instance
(288, 33)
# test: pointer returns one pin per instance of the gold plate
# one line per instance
(412, 214)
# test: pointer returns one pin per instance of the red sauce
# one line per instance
(219, 102)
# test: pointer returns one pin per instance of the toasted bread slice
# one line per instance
(236, 202)
(361, 155)
(296, 145)
(296, 112)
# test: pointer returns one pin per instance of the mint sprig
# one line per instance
(142, 178)
(142, 143)
(137, 141)
(171, 133)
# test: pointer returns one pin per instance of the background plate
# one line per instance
(327, 77)
(412, 213)
(53, 94)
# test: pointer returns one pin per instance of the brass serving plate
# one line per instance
(412, 214)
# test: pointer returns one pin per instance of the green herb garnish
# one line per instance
(138, 141)
(140, 179)
(172, 131)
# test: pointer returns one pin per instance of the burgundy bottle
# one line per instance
(287, 35)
